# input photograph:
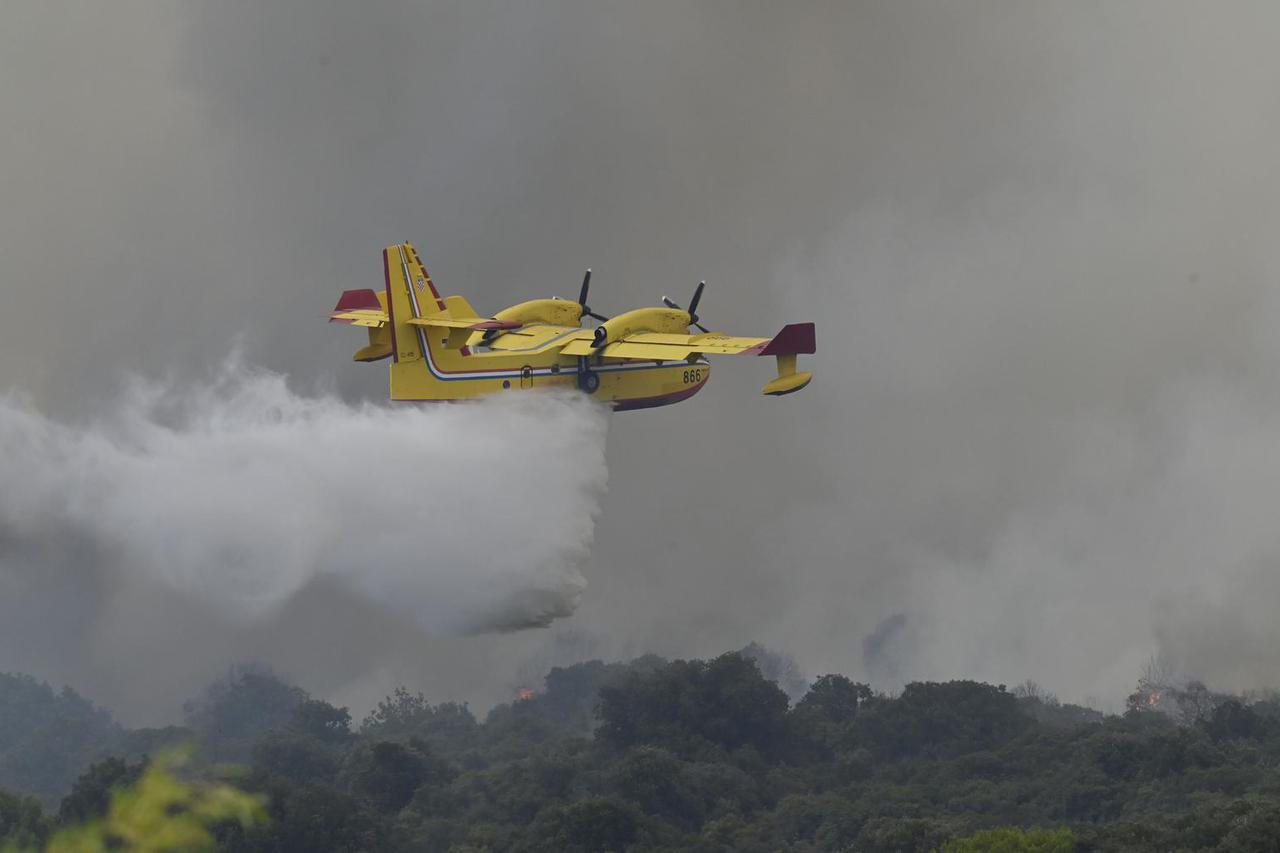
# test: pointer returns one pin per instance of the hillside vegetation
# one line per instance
(699, 755)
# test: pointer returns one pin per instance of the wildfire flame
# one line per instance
(1153, 699)
(524, 694)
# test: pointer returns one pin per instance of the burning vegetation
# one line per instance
(1162, 690)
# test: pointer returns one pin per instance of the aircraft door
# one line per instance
(526, 377)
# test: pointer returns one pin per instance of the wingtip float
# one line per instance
(442, 349)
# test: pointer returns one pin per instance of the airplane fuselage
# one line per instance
(530, 358)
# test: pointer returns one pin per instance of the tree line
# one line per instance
(684, 755)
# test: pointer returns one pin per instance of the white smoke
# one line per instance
(238, 494)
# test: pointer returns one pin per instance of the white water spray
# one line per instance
(239, 493)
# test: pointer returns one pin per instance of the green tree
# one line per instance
(388, 773)
(659, 783)
(593, 825)
(310, 746)
(161, 813)
(941, 719)
(570, 694)
(724, 702)
(1012, 840)
(448, 727)
(322, 721)
(307, 818)
(1233, 719)
(22, 822)
(90, 796)
(234, 711)
(48, 738)
(822, 721)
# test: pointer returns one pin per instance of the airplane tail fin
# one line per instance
(410, 295)
(428, 335)
(389, 314)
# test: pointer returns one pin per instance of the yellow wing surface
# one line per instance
(666, 346)
(663, 346)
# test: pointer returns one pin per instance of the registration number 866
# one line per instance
(694, 375)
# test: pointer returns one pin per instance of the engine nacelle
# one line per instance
(553, 312)
(666, 320)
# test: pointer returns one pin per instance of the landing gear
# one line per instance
(588, 379)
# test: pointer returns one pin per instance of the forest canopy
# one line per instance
(684, 755)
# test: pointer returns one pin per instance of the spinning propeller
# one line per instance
(693, 306)
(582, 299)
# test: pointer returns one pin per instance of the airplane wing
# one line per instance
(795, 338)
(786, 345)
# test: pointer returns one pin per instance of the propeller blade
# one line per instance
(600, 317)
(697, 297)
(582, 294)
(704, 329)
(693, 318)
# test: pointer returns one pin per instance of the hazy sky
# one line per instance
(1038, 240)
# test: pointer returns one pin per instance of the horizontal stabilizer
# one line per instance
(475, 324)
(365, 308)
(359, 308)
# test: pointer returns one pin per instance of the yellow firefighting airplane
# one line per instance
(442, 349)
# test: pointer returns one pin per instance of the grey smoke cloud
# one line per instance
(1037, 239)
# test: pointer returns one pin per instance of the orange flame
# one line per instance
(524, 694)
